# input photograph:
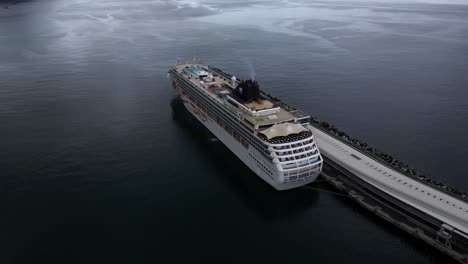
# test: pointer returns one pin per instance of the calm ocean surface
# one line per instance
(100, 163)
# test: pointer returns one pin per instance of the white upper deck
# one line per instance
(258, 114)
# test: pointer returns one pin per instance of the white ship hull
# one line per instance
(249, 156)
(270, 139)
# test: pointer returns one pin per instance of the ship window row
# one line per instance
(299, 177)
(298, 148)
(294, 165)
(263, 167)
(292, 158)
(214, 107)
(250, 123)
(296, 151)
(293, 145)
(231, 132)
(299, 157)
(264, 126)
(235, 125)
(246, 127)
(295, 172)
(289, 165)
(302, 163)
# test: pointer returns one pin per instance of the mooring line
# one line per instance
(323, 190)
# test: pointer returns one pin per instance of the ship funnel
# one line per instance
(233, 79)
(248, 90)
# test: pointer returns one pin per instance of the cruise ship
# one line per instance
(272, 139)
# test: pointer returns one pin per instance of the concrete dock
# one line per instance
(429, 214)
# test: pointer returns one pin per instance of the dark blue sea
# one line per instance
(100, 163)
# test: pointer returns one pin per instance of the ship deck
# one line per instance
(281, 116)
(223, 85)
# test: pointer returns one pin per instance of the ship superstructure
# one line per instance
(274, 141)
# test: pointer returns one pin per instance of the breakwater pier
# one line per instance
(435, 215)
